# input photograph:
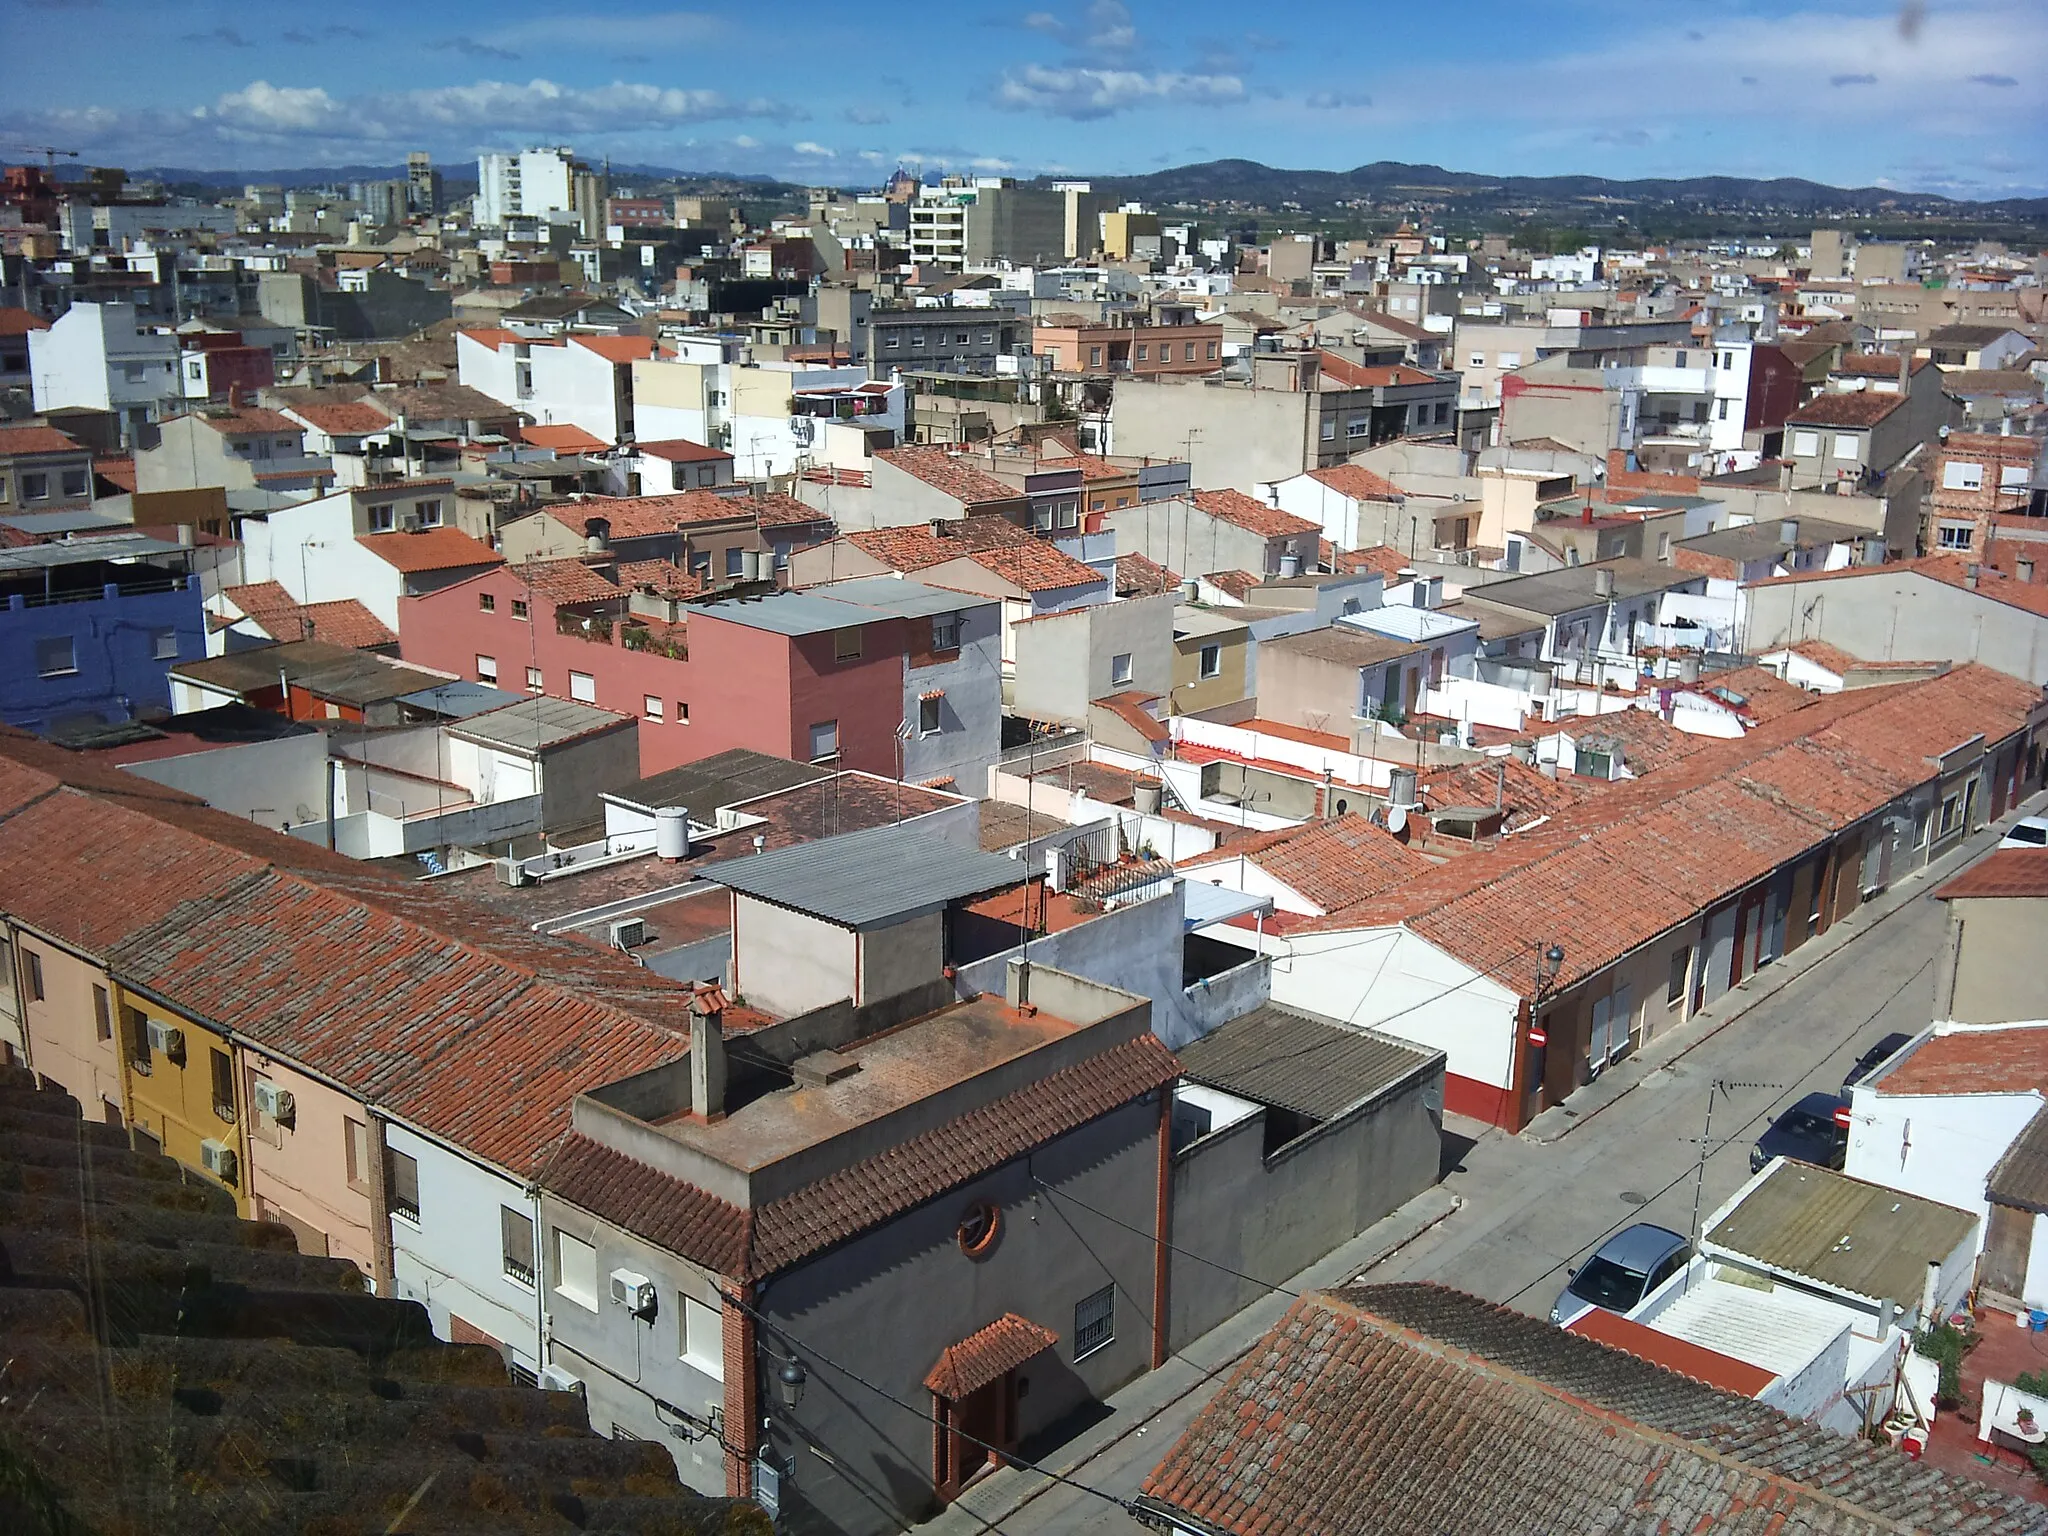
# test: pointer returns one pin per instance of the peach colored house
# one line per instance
(68, 1021)
(310, 1169)
(1083, 347)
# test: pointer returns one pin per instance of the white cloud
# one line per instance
(279, 108)
(1083, 93)
(808, 147)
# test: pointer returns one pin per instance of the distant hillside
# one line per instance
(460, 172)
(1248, 184)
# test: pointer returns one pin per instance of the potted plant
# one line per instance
(2025, 1419)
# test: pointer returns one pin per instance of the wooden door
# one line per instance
(983, 1418)
(2008, 1241)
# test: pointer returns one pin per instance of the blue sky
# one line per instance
(1936, 95)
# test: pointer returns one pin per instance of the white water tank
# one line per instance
(671, 833)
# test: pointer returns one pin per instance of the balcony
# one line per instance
(594, 627)
(670, 643)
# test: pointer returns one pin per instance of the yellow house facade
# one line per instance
(184, 1091)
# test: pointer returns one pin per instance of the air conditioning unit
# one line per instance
(513, 872)
(218, 1159)
(554, 1378)
(629, 933)
(166, 1039)
(634, 1292)
(272, 1100)
(409, 522)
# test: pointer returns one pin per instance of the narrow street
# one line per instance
(1529, 1211)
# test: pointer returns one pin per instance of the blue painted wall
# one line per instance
(114, 644)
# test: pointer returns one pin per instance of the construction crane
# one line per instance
(50, 153)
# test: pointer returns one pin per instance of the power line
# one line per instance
(1266, 1285)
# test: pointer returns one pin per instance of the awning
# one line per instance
(983, 1357)
(1204, 903)
(933, 693)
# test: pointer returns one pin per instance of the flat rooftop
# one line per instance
(725, 778)
(898, 1068)
(1301, 1062)
(869, 878)
(537, 723)
(1554, 592)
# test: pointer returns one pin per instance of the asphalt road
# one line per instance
(1530, 1211)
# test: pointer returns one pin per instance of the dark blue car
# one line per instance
(1807, 1132)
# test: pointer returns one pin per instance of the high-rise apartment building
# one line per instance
(533, 182)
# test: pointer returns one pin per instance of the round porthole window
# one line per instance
(979, 1229)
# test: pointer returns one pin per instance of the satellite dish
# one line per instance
(1397, 818)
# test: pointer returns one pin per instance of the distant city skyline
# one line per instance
(1936, 97)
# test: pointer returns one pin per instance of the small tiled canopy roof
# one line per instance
(982, 1357)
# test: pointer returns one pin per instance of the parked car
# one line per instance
(1874, 1058)
(1808, 1132)
(2027, 832)
(1622, 1271)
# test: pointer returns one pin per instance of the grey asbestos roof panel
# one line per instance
(867, 879)
(1297, 1061)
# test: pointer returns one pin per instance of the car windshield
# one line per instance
(1800, 1123)
(1606, 1284)
(2029, 835)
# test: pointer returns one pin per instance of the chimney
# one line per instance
(1788, 531)
(707, 1055)
(1970, 575)
(1586, 513)
(1603, 584)
(942, 527)
(1785, 477)
(597, 534)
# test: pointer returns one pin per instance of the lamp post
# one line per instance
(789, 1383)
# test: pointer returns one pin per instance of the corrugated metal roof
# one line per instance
(111, 546)
(898, 598)
(726, 778)
(1780, 1329)
(459, 698)
(538, 722)
(2021, 1177)
(1299, 1061)
(866, 879)
(1861, 1238)
(791, 613)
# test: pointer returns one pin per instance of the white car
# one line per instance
(2027, 832)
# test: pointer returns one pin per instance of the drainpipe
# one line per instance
(1162, 1227)
(381, 1262)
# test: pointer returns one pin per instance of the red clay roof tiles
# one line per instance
(1251, 514)
(951, 473)
(1330, 863)
(430, 549)
(2008, 872)
(985, 1355)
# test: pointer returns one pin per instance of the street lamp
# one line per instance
(789, 1383)
(1549, 961)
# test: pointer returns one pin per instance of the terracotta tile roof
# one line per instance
(494, 337)
(1764, 694)
(951, 473)
(1526, 793)
(343, 420)
(430, 549)
(984, 1356)
(752, 1245)
(1882, 365)
(33, 438)
(567, 581)
(1237, 584)
(16, 321)
(1132, 707)
(343, 621)
(2006, 872)
(1821, 654)
(1357, 482)
(1380, 559)
(564, 438)
(669, 580)
(776, 510)
(680, 450)
(919, 546)
(1850, 408)
(1356, 376)
(1091, 467)
(1037, 565)
(1137, 576)
(638, 517)
(1460, 1415)
(119, 473)
(617, 349)
(2008, 1059)
(1251, 514)
(249, 419)
(1330, 863)
(1951, 570)
(196, 1315)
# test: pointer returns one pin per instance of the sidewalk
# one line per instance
(1199, 1366)
(1621, 1079)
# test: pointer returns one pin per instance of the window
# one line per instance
(583, 687)
(1679, 360)
(1443, 412)
(1144, 352)
(518, 607)
(707, 474)
(682, 713)
(928, 720)
(735, 560)
(1805, 444)
(1514, 360)
(74, 482)
(163, 644)
(487, 669)
(383, 519)
(136, 1028)
(1664, 547)
(891, 341)
(700, 1337)
(988, 338)
(2015, 477)
(402, 1180)
(1212, 352)
(1120, 667)
(102, 1013)
(651, 706)
(700, 564)
(1721, 409)
(1956, 535)
(824, 741)
(1211, 661)
(1950, 809)
(358, 1149)
(1187, 352)
(535, 683)
(223, 1070)
(1962, 477)
(35, 487)
(575, 1269)
(515, 1242)
(1478, 359)
(57, 656)
(917, 337)
(1094, 1321)
(1681, 967)
(1925, 830)
(1846, 445)
(846, 644)
(486, 602)
(946, 632)
(1358, 426)
(1329, 429)
(1095, 357)
(428, 512)
(36, 994)
(960, 339)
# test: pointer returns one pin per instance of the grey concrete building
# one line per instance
(1989, 971)
(1935, 609)
(1065, 661)
(954, 340)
